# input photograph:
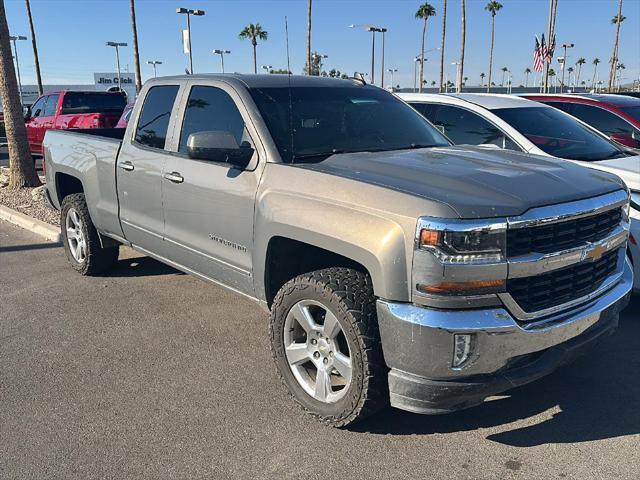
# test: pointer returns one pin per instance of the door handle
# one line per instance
(128, 166)
(174, 177)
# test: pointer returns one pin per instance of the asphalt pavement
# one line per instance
(149, 373)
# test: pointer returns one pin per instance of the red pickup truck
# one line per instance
(69, 110)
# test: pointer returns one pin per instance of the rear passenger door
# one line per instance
(140, 165)
(208, 205)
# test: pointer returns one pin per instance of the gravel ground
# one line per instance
(30, 203)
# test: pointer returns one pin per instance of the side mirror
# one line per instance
(625, 139)
(26, 112)
(219, 147)
(440, 128)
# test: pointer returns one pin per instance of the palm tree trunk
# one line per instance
(614, 54)
(22, 170)
(463, 37)
(491, 54)
(593, 82)
(578, 75)
(255, 62)
(136, 53)
(424, 33)
(35, 47)
(526, 79)
(309, 39)
(444, 31)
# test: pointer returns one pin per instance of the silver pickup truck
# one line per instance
(396, 268)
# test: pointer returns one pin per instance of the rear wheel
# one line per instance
(81, 240)
(326, 345)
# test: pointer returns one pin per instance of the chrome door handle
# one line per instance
(174, 177)
(128, 166)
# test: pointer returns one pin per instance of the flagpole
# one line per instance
(546, 61)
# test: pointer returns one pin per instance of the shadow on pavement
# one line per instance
(140, 267)
(30, 246)
(597, 397)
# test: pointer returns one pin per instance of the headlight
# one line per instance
(635, 200)
(463, 242)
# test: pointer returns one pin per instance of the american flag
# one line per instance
(548, 53)
(538, 56)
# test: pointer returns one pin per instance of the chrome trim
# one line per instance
(537, 263)
(569, 211)
(520, 314)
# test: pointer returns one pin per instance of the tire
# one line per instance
(92, 258)
(346, 295)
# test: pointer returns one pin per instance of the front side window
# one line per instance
(211, 109)
(153, 121)
(309, 124)
(557, 134)
(633, 111)
(601, 119)
(37, 109)
(51, 105)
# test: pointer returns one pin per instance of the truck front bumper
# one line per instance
(500, 352)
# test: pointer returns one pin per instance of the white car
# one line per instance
(515, 123)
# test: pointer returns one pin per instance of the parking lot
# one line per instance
(148, 373)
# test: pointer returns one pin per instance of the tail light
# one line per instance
(98, 122)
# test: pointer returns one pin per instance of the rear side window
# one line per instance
(601, 119)
(88, 102)
(50, 106)
(211, 109)
(154, 118)
(426, 109)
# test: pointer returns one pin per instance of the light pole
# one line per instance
(392, 71)
(383, 31)
(267, 68)
(457, 64)
(564, 62)
(188, 12)
(373, 30)
(15, 54)
(416, 60)
(222, 53)
(154, 63)
(117, 46)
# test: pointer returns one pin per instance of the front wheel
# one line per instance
(81, 240)
(326, 345)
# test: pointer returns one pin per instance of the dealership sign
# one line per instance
(109, 81)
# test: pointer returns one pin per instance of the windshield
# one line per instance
(632, 111)
(311, 123)
(558, 134)
(87, 102)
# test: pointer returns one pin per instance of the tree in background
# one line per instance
(595, 62)
(253, 32)
(36, 57)
(527, 71)
(136, 52)
(463, 36)
(569, 71)
(424, 12)
(22, 170)
(308, 36)
(581, 61)
(492, 8)
(617, 20)
(504, 71)
(482, 75)
(316, 65)
(619, 68)
(444, 33)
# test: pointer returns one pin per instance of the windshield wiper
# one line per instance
(312, 156)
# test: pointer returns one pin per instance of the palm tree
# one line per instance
(527, 71)
(424, 12)
(492, 7)
(620, 68)
(482, 75)
(309, 38)
(595, 62)
(581, 61)
(22, 171)
(433, 83)
(35, 47)
(552, 74)
(504, 72)
(253, 32)
(570, 71)
(136, 52)
(444, 31)
(463, 30)
(617, 20)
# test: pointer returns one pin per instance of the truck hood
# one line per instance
(475, 182)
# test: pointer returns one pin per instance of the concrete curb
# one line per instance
(49, 232)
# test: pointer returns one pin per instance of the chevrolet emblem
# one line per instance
(595, 253)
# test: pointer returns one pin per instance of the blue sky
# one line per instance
(71, 35)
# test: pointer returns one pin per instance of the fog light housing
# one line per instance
(463, 345)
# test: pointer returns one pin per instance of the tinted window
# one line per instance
(426, 109)
(211, 109)
(37, 109)
(560, 105)
(50, 106)
(153, 121)
(465, 127)
(632, 111)
(557, 134)
(88, 102)
(311, 123)
(600, 119)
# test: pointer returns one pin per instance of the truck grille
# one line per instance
(561, 286)
(562, 235)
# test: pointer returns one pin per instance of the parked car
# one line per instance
(617, 116)
(124, 118)
(396, 268)
(69, 110)
(515, 123)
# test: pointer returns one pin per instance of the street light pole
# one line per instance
(392, 71)
(564, 63)
(267, 68)
(188, 12)
(373, 30)
(117, 46)
(415, 73)
(15, 54)
(222, 53)
(383, 31)
(154, 63)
